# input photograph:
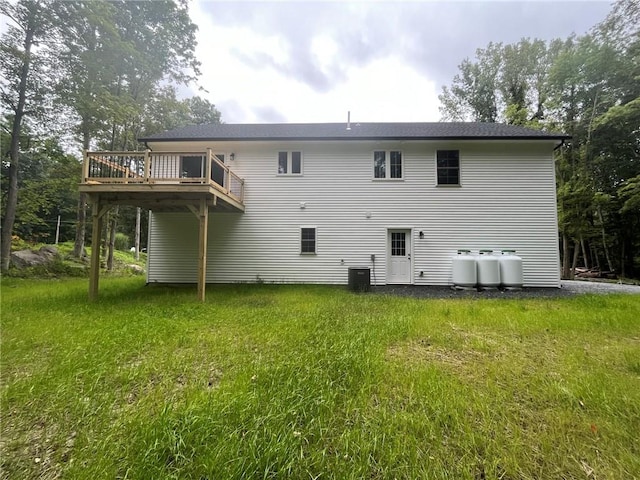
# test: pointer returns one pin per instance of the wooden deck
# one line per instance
(160, 181)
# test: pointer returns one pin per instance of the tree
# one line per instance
(503, 83)
(115, 55)
(48, 189)
(472, 95)
(20, 91)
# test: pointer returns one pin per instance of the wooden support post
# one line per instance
(203, 218)
(97, 212)
(147, 165)
(85, 166)
(207, 174)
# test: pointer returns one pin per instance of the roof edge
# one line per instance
(348, 139)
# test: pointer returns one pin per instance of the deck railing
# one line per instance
(179, 168)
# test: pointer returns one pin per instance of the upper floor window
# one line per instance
(448, 167)
(191, 166)
(387, 164)
(194, 166)
(289, 163)
(217, 170)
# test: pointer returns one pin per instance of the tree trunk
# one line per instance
(584, 253)
(566, 249)
(623, 272)
(576, 256)
(595, 257)
(604, 240)
(14, 153)
(104, 236)
(81, 215)
(137, 242)
(113, 223)
(81, 223)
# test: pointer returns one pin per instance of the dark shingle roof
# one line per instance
(358, 131)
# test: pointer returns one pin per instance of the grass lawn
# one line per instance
(267, 381)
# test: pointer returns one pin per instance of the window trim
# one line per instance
(448, 185)
(289, 173)
(315, 239)
(387, 165)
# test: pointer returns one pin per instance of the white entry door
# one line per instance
(399, 255)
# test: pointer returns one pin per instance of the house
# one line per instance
(304, 202)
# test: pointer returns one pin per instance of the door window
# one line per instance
(398, 244)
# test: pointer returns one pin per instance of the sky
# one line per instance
(384, 61)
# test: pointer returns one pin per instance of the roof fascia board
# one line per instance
(349, 139)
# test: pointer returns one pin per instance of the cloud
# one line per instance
(268, 114)
(303, 31)
(312, 61)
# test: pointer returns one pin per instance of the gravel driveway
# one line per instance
(569, 288)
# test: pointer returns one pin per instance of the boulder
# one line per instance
(32, 258)
(49, 251)
(136, 269)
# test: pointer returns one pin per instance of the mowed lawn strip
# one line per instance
(273, 381)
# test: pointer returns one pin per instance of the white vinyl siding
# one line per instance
(507, 201)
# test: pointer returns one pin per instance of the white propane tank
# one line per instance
(464, 270)
(510, 270)
(488, 270)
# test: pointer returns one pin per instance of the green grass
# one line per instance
(267, 381)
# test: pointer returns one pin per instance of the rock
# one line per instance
(32, 258)
(48, 251)
(137, 269)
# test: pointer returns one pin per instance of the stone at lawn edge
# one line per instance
(136, 269)
(31, 258)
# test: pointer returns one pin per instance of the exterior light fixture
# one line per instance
(232, 156)
(421, 234)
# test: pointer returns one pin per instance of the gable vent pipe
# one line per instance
(349, 120)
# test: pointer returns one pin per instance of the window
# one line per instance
(289, 163)
(308, 240)
(448, 167)
(191, 166)
(217, 171)
(387, 164)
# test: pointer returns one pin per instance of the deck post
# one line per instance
(203, 218)
(94, 273)
(208, 163)
(147, 165)
(85, 165)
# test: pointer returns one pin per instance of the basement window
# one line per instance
(448, 167)
(289, 163)
(308, 240)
